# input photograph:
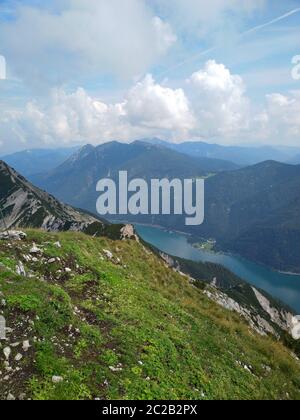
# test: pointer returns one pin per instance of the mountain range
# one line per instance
(242, 156)
(75, 180)
(31, 162)
(253, 211)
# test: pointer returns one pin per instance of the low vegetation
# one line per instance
(94, 318)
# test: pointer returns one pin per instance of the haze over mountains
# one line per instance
(38, 161)
(240, 155)
(34, 161)
(295, 160)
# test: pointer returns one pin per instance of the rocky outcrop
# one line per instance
(14, 235)
(262, 315)
(256, 321)
(282, 318)
(128, 232)
(256, 308)
(24, 205)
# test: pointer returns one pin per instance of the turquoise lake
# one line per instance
(283, 286)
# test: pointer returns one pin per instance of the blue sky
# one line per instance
(96, 70)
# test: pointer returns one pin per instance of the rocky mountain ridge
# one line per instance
(24, 205)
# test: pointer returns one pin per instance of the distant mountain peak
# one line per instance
(154, 140)
(30, 162)
(82, 153)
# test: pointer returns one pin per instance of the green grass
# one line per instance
(132, 329)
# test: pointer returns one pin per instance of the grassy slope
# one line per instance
(167, 338)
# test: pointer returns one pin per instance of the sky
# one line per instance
(91, 71)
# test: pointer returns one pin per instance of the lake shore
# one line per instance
(192, 240)
(283, 286)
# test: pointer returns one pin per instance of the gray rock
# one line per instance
(7, 352)
(35, 250)
(108, 254)
(128, 232)
(57, 379)
(18, 357)
(20, 269)
(13, 235)
(26, 346)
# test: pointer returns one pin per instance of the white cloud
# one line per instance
(164, 34)
(213, 105)
(219, 100)
(280, 121)
(158, 108)
(120, 37)
(148, 109)
(69, 118)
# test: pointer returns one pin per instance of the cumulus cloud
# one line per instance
(52, 45)
(158, 108)
(212, 104)
(67, 118)
(148, 109)
(219, 101)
